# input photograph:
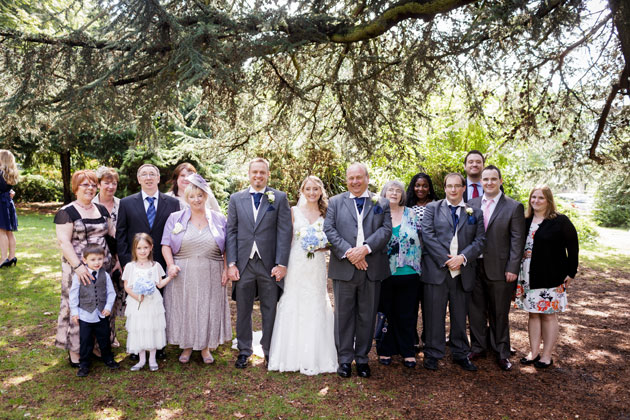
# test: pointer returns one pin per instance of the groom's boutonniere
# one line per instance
(177, 228)
(270, 196)
(377, 208)
(471, 219)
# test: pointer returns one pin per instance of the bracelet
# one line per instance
(78, 265)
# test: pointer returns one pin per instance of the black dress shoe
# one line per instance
(134, 357)
(5, 263)
(363, 370)
(466, 364)
(72, 364)
(526, 361)
(241, 361)
(505, 364)
(430, 363)
(476, 355)
(409, 364)
(512, 351)
(385, 360)
(541, 365)
(112, 364)
(344, 370)
(83, 372)
(160, 354)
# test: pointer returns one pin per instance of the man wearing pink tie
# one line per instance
(497, 269)
(473, 164)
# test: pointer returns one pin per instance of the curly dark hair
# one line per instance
(412, 200)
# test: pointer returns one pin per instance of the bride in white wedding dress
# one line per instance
(303, 334)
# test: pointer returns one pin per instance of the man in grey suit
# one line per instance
(453, 237)
(258, 242)
(358, 225)
(497, 269)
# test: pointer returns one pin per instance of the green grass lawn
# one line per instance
(37, 381)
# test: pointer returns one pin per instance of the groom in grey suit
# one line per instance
(453, 237)
(497, 269)
(358, 225)
(259, 231)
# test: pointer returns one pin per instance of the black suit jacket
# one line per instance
(132, 219)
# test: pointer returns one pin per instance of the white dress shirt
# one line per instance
(454, 242)
(252, 191)
(470, 189)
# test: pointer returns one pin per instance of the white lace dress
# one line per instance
(303, 335)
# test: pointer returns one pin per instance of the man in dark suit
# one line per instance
(259, 232)
(144, 212)
(453, 237)
(358, 225)
(497, 269)
(473, 164)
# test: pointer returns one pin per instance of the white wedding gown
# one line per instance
(303, 334)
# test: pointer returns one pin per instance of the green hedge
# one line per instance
(612, 202)
(37, 188)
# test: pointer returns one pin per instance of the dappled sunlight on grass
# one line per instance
(167, 413)
(16, 380)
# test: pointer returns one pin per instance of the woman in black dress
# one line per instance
(8, 216)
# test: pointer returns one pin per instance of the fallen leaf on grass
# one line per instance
(323, 391)
(239, 415)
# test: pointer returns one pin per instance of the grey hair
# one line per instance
(394, 183)
(148, 165)
(360, 165)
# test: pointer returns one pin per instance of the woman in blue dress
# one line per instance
(8, 217)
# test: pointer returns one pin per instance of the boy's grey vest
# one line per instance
(94, 295)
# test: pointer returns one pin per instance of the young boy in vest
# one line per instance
(90, 306)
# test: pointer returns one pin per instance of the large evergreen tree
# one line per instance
(320, 70)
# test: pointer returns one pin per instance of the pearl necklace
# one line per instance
(84, 207)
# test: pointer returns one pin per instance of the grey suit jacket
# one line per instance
(505, 238)
(272, 230)
(341, 229)
(437, 233)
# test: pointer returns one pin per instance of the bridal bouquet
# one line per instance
(143, 286)
(313, 238)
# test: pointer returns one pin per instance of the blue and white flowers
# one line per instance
(312, 238)
(143, 286)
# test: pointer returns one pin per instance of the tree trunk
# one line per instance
(65, 175)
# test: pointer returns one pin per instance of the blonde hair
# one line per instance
(322, 203)
(258, 160)
(8, 167)
(191, 188)
(136, 240)
(551, 210)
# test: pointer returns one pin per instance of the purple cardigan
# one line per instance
(216, 222)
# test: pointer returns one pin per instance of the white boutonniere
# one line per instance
(178, 228)
(469, 211)
(270, 196)
(374, 199)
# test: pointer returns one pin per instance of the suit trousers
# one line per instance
(490, 304)
(88, 331)
(436, 297)
(356, 302)
(254, 280)
(399, 296)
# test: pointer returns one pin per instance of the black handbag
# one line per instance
(381, 326)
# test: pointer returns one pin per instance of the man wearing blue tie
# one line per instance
(144, 212)
(453, 236)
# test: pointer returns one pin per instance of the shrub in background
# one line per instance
(37, 188)
(612, 202)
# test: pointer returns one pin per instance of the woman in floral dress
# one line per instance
(549, 265)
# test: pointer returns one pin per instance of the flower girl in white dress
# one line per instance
(146, 323)
(303, 335)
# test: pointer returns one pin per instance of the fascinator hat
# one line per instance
(198, 181)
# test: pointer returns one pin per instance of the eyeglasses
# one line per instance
(453, 186)
(148, 175)
(86, 186)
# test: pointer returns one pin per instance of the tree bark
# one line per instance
(65, 175)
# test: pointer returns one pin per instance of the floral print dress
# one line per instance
(542, 301)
